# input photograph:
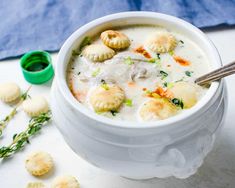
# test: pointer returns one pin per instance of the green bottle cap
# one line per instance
(37, 67)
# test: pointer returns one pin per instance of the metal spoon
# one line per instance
(216, 74)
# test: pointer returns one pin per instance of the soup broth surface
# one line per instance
(139, 72)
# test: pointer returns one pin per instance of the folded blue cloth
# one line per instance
(31, 25)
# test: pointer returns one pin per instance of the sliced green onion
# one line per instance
(148, 92)
(105, 86)
(154, 60)
(128, 61)
(96, 72)
(171, 53)
(98, 112)
(128, 102)
(168, 85)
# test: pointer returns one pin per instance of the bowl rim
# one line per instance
(105, 121)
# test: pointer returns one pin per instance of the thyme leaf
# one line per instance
(163, 74)
(181, 41)
(113, 112)
(165, 84)
(188, 73)
(158, 56)
(102, 81)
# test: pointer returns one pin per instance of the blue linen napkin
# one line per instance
(32, 25)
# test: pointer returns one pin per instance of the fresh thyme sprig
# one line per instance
(19, 140)
(5, 121)
(25, 95)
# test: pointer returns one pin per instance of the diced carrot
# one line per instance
(163, 93)
(160, 91)
(78, 95)
(130, 84)
(142, 51)
(169, 94)
(181, 61)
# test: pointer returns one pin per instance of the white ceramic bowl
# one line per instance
(171, 147)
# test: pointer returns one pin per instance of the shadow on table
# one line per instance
(218, 170)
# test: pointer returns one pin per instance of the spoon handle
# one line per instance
(216, 74)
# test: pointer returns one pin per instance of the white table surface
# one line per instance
(218, 170)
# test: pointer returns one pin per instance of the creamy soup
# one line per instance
(137, 73)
